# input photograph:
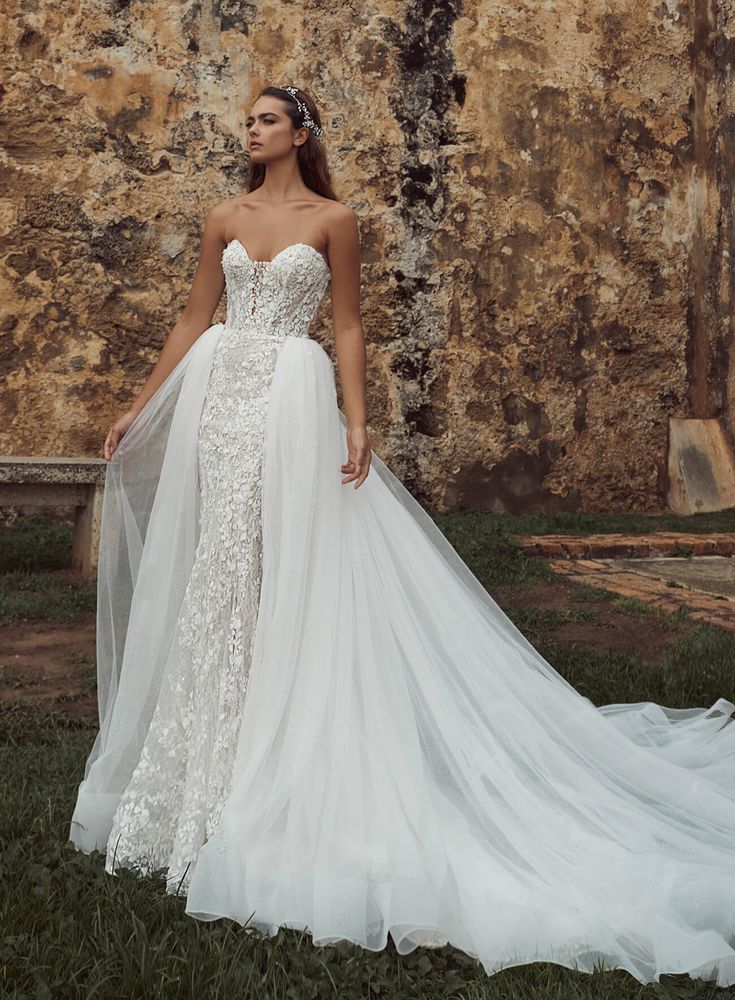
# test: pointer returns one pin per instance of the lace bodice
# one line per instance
(273, 298)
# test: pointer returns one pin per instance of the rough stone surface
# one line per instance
(711, 574)
(610, 546)
(545, 197)
(664, 594)
(52, 470)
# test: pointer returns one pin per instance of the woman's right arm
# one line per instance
(206, 291)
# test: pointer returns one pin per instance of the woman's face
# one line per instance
(270, 131)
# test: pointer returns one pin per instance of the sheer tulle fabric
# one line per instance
(148, 537)
(408, 763)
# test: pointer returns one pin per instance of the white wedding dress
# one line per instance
(313, 715)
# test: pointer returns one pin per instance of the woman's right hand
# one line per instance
(117, 432)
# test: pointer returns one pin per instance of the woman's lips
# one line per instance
(255, 145)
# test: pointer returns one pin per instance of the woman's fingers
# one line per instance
(348, 468)
(357, 468)
(117, 431)
(363, 471)
(111, 442)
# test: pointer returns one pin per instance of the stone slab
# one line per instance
(701, 466)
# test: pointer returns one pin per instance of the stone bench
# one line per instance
(56, 482)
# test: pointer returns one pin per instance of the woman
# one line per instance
(311, 712)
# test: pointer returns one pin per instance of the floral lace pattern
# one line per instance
(175, 796)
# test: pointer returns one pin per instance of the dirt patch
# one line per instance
(51, 667)
(611, 628)
(623, 636)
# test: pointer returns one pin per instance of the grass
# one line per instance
(35, 543)
(68, 930)
(58, 601)
(594, 523)
(696, 670)
(33, 551)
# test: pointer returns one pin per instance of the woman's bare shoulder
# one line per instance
(220, 213)
(339, 210)
(341, 221)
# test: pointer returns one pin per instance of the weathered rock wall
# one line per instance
(546, 207)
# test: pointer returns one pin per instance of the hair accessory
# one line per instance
(305, 114)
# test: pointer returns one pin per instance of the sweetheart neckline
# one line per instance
(273, 259)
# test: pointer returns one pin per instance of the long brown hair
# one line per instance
(311, 155)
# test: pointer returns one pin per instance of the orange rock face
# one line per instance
(545, 205)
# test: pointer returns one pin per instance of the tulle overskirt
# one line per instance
(408, 763)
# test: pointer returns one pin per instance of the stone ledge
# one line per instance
(612, 546)
(39, 469)
(52, 481)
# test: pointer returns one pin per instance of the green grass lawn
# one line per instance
(69, 930)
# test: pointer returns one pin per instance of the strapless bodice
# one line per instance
(273, 299)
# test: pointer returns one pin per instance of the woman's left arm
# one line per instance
(349, 339)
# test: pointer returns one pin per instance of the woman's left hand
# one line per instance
(359, 454)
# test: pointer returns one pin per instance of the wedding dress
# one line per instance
(312, 714)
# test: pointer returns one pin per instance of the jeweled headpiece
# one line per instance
(305, 114)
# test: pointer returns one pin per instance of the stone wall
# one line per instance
(545, 198)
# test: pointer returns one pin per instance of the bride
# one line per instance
(312, 715)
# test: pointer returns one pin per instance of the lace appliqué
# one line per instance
(175, 796)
